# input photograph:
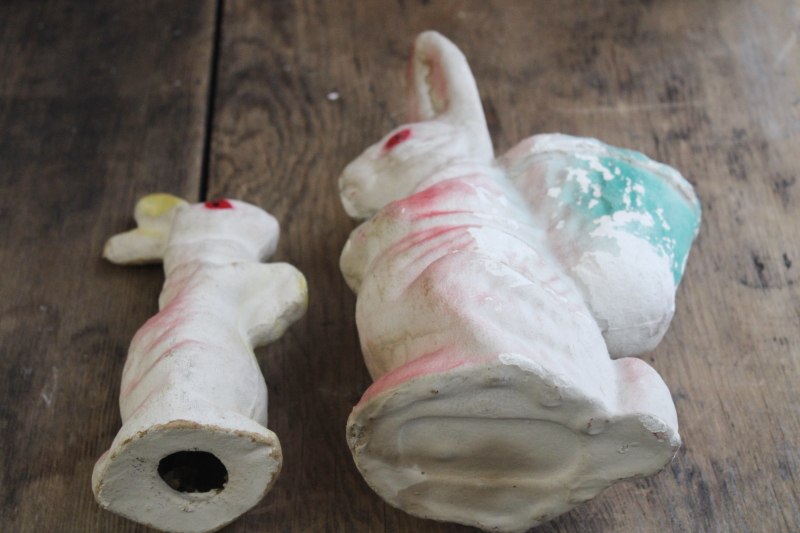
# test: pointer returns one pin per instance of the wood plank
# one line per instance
(100, 103)
(708, 87)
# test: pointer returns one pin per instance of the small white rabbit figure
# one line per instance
(496, 402)
(194, 453)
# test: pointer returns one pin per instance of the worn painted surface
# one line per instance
(620, 223)
(592, 191)
(191, 381)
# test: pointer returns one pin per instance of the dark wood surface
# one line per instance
(104, 102)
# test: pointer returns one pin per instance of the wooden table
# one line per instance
(104, 102)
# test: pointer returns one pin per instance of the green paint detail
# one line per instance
(648, 199)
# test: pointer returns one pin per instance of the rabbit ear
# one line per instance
(147, 243)
(440, 85)
(440, 82)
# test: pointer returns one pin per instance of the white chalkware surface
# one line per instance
(499, 302)
(194, 452)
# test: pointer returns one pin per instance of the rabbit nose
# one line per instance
(348, 196)
(347, 189)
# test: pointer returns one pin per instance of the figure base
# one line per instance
(500, 446)
(187, 477)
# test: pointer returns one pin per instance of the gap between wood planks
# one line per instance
(208, 130)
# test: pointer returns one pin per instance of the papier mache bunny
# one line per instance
(498, 300)
(194, 452)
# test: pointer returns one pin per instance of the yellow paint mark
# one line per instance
(148, 232)
(302, 284)
(155, 205)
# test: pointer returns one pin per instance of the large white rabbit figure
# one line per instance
(482, 314)
(194, 452)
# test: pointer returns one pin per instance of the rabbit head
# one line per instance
(218, 227)
(447, 126)
(227, 221)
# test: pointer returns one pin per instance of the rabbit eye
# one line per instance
(219, 204)
(397, 138)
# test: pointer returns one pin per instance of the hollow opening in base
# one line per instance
(191, 471)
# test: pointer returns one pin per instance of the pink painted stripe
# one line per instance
(458, 242)
(155, 389)
(419, 237)
(431, 214)
(433, 363)
(129, 388)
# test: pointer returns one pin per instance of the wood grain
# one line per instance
(101, 104)
(708, 87)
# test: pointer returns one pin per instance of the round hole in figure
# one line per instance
(193, 471)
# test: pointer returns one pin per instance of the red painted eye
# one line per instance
(397, 138)
(219, 204)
